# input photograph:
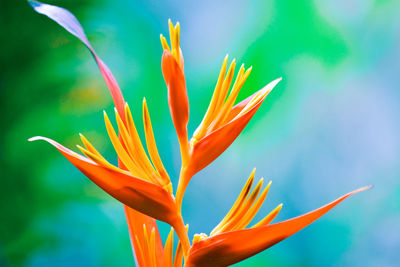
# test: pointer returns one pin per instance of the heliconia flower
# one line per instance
(230, 242)
(223, 121)
(145, 186)
(173, 71)
(142, 184)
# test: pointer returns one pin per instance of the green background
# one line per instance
(331, 125)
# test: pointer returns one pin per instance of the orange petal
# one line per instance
(135, 221)
(134, 192)
(207, 149)
(231, 247)
(177, 96)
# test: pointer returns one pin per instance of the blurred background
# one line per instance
(331, 125)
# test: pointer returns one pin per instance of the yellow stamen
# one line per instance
(152, 147)
(171, 33)
(152, 248)
(140, 154)
(246, 219)
(238, 203)
(225, 87)
(178, 256)
(147, 251)
(121, 152)
(268, 219)
(236, 219)
(143, 256)
(168, 249)
(175, 49)
(224, 112)
(145, 170)
(208, 117)
(199, 237)
(232, 96)
(99, 160)
(164, 43)
(89, 146)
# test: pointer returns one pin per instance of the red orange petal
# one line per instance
(135, 221)
(207, 149)
(177, 94)
(231, 247)
(134, 192)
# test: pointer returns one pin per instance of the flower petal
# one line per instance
(135, 221)
(134, 192)
(177, 95)
(68, 21)
(231, 247)
(210, 147)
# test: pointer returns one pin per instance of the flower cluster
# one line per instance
(143, 185)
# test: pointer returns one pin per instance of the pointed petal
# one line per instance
(239, 106)
(68, 21)
(207, 149)
(177, 97)
(135, 221)
(134, 192)
(231, 247)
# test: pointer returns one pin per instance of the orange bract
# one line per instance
(233, 246)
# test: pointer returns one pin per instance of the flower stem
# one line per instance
(184, 178)
(183, 236)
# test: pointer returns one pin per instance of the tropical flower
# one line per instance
(142, 183)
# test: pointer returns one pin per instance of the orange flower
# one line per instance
(223, 121)
(145, 186)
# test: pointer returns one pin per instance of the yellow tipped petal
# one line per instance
(141, 253)
(211, 108)
(164, 43)
(225, 86)
(122, 154)
(175, 50)
(99, 160)
(168, 249)
(89, 146)
(246, 219)
(152, 248)
(152, 147)
(171, 33)
(178, 256)
(146, 170)
(243, 209)
(139, 150)
(238, 203)
(227, 106)
(146, 247)
(199, 237)
(269, 218)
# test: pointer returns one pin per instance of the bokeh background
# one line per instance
(331, 125)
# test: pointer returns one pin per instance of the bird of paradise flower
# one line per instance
(142, 183)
